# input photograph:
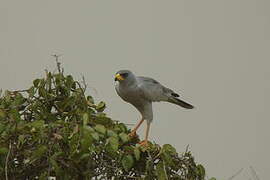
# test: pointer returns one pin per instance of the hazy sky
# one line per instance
(215, 53)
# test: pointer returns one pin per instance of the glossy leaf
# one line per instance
(169, 149)
(201, 170)
(101, 106)
(124, 137)
(36, 82)
(137, 153)
(111, 133)
(114, 143)
(127, 162)
(100, 128)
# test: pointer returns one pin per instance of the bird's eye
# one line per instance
(124, 75)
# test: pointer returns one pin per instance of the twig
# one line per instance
(236, 174)
(84, 83)
(6, 163)
(164, 169)
(129, 124)
(18, 91)
(187, 148)
(56, 56)
(254, 174)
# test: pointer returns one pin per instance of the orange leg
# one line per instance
(145, 141)
(133, 132)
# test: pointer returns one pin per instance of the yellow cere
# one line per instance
(119, 77)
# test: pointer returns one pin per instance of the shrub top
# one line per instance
(54, 129)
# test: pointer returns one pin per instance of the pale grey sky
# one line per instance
(215, 53)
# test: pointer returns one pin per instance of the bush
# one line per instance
(53, 129)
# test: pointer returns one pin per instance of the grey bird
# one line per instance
(141, 92)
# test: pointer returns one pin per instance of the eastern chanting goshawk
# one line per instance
(141, 92)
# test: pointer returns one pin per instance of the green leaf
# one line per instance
(124, 137)
(18, 100)
(55, 166)
(3, 114)
(38, 124)
(42, 92)
(21, 140)
(201, 170)
(161, 172)
(137, 153)
(100, 128)
(101, 106)
(31, 91)
(122, 127)
(128, 149)
(26, 161)
(169, 149)
(86, 142)
(111, 133)
(69, 81)
(127, 162)
(114, 143)
(90, 99)
(2, 128)
(212, 178)
(88, 130)
(167, 158)
(36, 82)
(15, 114)
(3, 150)
(39, 152)
(95, 135)
(85, 119)
(84, 156)
(87, 138)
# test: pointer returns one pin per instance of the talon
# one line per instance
(144, 143)
(132, 134)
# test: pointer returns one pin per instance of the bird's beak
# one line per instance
(118, 77)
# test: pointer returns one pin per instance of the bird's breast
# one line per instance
(130, 94)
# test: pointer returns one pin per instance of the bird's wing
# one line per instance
(152, 90)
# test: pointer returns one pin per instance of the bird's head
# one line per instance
(124, 76)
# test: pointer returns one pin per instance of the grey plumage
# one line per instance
(142, 91)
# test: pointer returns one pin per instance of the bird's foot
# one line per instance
(144, 143)
(132, 134)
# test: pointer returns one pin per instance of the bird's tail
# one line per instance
(181, 103)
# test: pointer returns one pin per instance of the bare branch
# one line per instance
(236, 174)
(56, 56)
(187, 148)
(254, 174)
(6, 164)
(84, 82)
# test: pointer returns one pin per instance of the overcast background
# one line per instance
(215, 53)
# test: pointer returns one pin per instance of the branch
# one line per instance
(236, 174)
(254, 174)
(6, 163)
(56, 56)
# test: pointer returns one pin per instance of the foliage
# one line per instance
(54, 129)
